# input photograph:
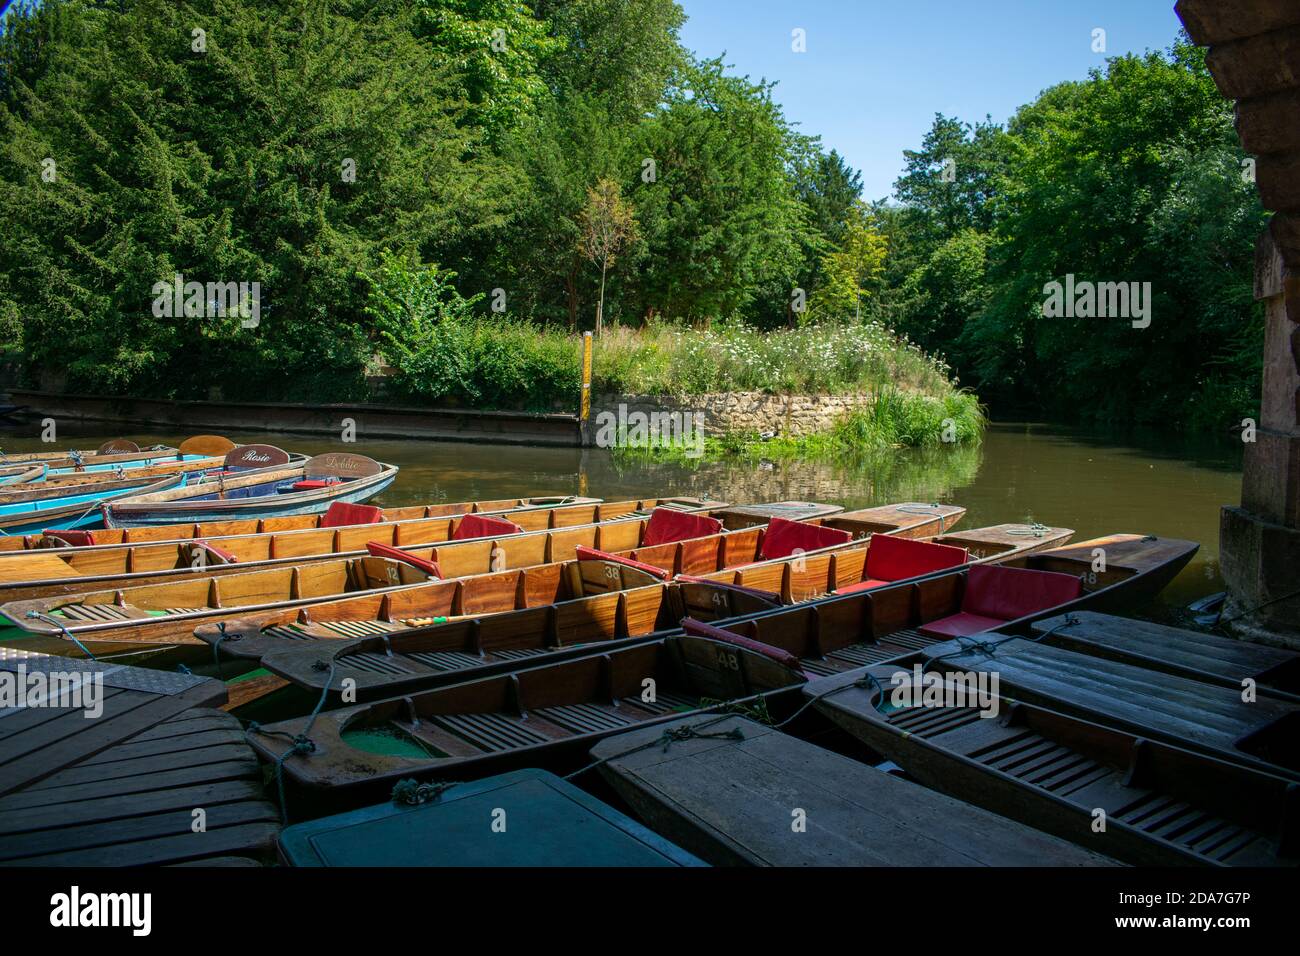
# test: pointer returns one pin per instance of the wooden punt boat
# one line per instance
(166, 614)
(881, 623)
(528, 718)
(1268, 671)
(190, 465)
(47, 573)
(120, 453)
(267, 491)
(22, 474)
(1153, 704)
(38, 573)
(622, 557)
(731, 789)
(223, 533)
(1163, 804)
(37, 508)
(550, 823)
(508, 624)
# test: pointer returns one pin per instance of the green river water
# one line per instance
(1163, 485)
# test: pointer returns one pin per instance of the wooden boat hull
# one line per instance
(728, 795)
(166, 614)
(128, 514)
(394, 660)
(49, 573)
(529, 718)
(842, 633)
(1163, 805)
(67, 512)
(226, 533)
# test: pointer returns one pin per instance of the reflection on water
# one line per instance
(1020, 473)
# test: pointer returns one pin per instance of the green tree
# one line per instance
(608, 225)
(285, 145)
(853, 269)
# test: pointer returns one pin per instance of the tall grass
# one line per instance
(830, 358)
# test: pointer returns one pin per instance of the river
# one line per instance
(1161, 485)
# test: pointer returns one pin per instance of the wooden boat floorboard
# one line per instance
(741, 801)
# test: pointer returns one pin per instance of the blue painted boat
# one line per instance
(55, 508)
(526, 818)
(259, 481)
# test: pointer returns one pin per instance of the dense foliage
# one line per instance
(1134, 175)
(410, 184)
(299, 145)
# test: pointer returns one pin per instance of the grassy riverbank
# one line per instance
(894, 419)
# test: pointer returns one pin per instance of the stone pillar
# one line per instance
(1260, 541)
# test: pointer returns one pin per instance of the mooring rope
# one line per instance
(50, 619)
(300, 743)
(669, 737)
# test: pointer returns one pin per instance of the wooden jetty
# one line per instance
(126, 787)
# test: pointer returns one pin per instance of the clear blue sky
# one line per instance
(876, 71)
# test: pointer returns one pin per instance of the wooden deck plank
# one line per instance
(257, 838)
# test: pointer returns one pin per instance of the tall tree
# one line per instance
(608, 228)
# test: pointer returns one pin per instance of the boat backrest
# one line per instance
(483, 526)
(117, 446)
(783, 538)
(668, 525)
(246, 457)
(591, 554)
(341, 514)
(893, 559)
(378, 550)
(210, 553)
(60, 539)
(1009, 593)
(206, 445)
(341, 464)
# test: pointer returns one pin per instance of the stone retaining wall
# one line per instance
(740, 412)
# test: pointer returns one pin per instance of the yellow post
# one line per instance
(584, 410)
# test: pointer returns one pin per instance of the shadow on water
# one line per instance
(1095, 485)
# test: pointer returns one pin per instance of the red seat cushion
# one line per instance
(591, 554)
(667, 525)
(483, 526)
(378, 550)
(342, 514)
(77, 539)
(780, 655)
(894, 559)
(311, 484)
(783, 537)
(960, 625)
(771, 596)
(220, 555)
(1009, 593)
(866, 585)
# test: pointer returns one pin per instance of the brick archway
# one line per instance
(1254, 57)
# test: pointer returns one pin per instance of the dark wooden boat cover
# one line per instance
(771, 800)
(1194, 654)
(1194, 714)
(525, 818)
